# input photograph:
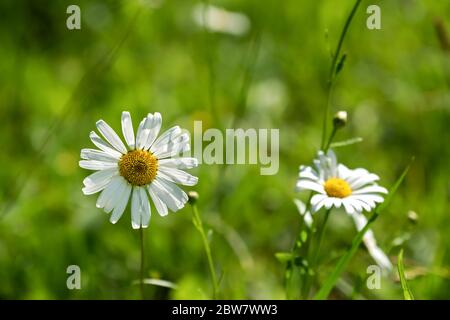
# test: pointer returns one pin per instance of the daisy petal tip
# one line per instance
(135, 226)
(181, 206)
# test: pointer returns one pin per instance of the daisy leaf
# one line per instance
(345, 259)
(401, 272)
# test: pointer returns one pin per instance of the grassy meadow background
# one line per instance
(148, 56)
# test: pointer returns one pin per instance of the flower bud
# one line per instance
(340, 119)
(413, 217)
(193, 197)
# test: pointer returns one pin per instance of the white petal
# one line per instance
(99, 177)
(348, 206)
(177, 176)
(94, 188)
(145, 208)
(301, 207)
(121, 204)
(153, 130)
(363, 180)
(337, 202)
(356, 174)
(175, 150)
(370, 189)
(97, 165)
(307, 217)
(108, 192)
(320, 170)
(316, 198)
(167, 136)
(360, 220)
(173, 147)
(367, 201)
(93, 154)
(377, 254)
(135, 209)
(112, 202)
(111, 136)
(127, 129)
(140, 208)
(140, 134)
(88, 190)
(327, 164)
(308, 173)
(159, 204)
(101, 144)
(319, 204)
(178, 163)
(310, 185)
(97, 181)
(166, 196)
(175, 192)
(370, 197)
(329, 203)
(365, 205)
(343, 172)
(144, 132)
(356, 204)
(333, 162)
(369, 240)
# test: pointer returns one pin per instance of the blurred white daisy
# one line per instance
(218, 19)
(337, 186)
(146, 166)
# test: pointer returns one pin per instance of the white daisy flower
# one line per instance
(145, 166)
(337, 186)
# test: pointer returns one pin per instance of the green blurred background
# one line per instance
(147, 56)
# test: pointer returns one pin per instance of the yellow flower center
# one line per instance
(338, 188)
(138, 167)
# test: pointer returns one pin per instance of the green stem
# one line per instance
(327, 111)
(332, 72)
(341, 39)
(199, 226)
(330, 139)
(141, 233)
(320, 237)
(314, 259)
